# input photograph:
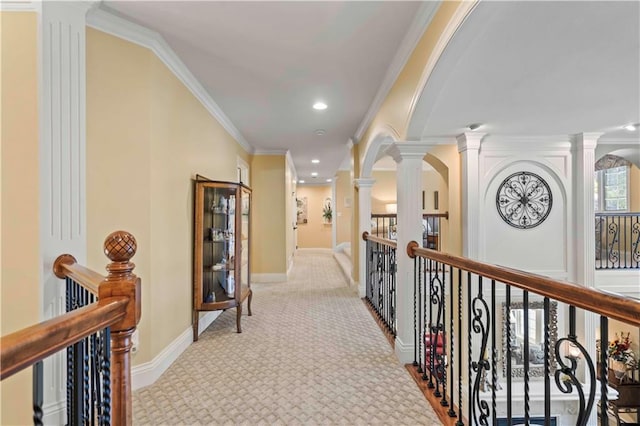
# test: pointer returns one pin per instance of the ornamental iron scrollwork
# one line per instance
(524, 200)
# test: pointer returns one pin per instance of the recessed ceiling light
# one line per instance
(320, 106)
(314, 174)
(301, 181)
(315, 161)
(631, 127)
(474, 126)
(328, 180)
(320, 132)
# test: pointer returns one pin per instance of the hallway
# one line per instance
(310, 354)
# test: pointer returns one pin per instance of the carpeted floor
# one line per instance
(310, 354)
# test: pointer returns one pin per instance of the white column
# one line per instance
(364, 224)
(584, 249)
(409, 157)
(469, 148)
(62, 165)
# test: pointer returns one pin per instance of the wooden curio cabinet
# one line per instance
(221, 277)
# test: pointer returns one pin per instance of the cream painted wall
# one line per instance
(315, 233)
(342, 214)
(268, 250)
(634, 189)
(19, 221)
(384, 190)
(147, 137)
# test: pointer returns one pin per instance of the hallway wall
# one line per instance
(315, 233)
(20, 297)
(147, 137)
(342, 219)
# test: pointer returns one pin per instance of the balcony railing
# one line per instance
(385, 226)
(617, 240)
(489, 344)
(380, 291)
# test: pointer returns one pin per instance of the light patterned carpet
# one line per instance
(310, 354)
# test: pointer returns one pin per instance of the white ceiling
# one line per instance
(266, 63)
(537, 68)
(520, 68)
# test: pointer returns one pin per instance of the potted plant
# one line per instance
(327, 213)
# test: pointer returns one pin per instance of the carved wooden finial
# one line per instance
(120, 246)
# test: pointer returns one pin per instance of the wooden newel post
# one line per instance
(120, 247)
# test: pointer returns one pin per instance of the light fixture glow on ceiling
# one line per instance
(320, 106)
(631, 127)
(301, 181)
(314, 174)
(315, 161)
(320, 132)
(328, 180)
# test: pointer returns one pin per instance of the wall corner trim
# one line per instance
(147, 373)
(107, 22)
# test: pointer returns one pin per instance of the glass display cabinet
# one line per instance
(221, 273)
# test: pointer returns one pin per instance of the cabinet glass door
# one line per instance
(218, 248)
(244, 241)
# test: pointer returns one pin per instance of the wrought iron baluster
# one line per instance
(525, 303)
(460, 422)
(469, 353)
(547, 364)
(451, 411)
(428, 329)
(416, 338)
(566, 375)
(421, 266)
(604, 401)
(441, 368)
(38, 392)
(481, 367)
(635, 245)
(507, 316)
(85, 368)
(106, 377)
(494, 354)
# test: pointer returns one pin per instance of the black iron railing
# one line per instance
(385, 226)
(88, 367)
(617, 240)
(380, 289)
(470, 317)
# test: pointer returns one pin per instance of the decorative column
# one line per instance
(62, 165)
(469, 148)
(364, 224)
(584, 232)
(409, 156)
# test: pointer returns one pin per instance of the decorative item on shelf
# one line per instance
(524, 200)
(231, 287)
(211, 297)
(621, 357)
(327, 213)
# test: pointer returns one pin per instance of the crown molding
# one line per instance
(526, 142)
(260, 151)
(619, 141)
(20, 6)
(439, 140)
(408, 44)
(107, 22)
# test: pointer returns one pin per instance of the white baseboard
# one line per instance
(340, 247)
(290, 267)
(362, 288)
(268, 278)
(54, 413)
(147, 373)
(404, 351)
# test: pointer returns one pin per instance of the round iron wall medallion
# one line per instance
(524, 200)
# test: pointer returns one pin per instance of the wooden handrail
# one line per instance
(368, 237)
(600, 302)
(24, 348)
(66, 266)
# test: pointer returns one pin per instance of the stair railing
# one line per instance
(102, 314)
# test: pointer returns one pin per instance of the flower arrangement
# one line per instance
(620, 348)
(327, 213)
